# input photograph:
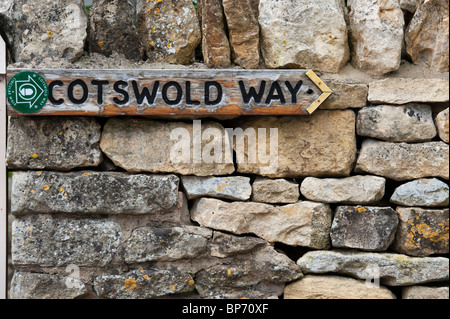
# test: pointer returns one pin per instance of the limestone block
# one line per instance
(230, 187)
(274, 191)
(428, 192)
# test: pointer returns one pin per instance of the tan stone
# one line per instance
(323, 144)
(376, 35)
(143, 145)
(215, 46)
(406, 90)
(441, 121)
(345, 95)
(307, 34)
(275, 191)
(243, 30)
(427, 35)
(424, 292)
(170, 31)
(334, 287)
(300, 224)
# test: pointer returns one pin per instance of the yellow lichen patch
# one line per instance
(34, 155)
(39, 172)
(172, 287)
(157, 12)
(361, 209)
(191, 282)
(149, 11)
(145, 276)
(86, 174)
(228, 272)
(425, 231)
(100, 43)
(130, 284)
(221, 186)
(49, 33)
(61, 189)
(46, 187)
(30, 228)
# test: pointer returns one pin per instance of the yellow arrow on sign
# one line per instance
(326, 91)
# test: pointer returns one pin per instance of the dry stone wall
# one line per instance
(354, 205)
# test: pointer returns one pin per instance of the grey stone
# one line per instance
(376, 35)
(88, 192)
(300, 224)
(142, 145)
(403, 161)
(113, 28)
(143, 284)
(225, 245)
(409, 5)
(408, 90)
(170, 31)
(163, 244)
(50, 241)
(442, 125)
(391, 269)
(363, 227)
(424, 292)
(61, 143)
(320, 25)
(230, 187)
(406, 123)
(428, 192)
(26, 285)
(265, 265)
(275, 191)
(361, 189)
(44, 29)
(421, 232)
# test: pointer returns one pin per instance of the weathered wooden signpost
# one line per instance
(148, 92)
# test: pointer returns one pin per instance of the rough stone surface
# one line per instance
(142, 145)
(428, 192)
(243, 30)
(163, 244)
(44, 286)
(320, 25)
(301, 224)
(225, 245)
(323, 144)
(143, 284)
(215, 45)
(334, 287)
(50, 241)
(275, 191)
(363, 227)
(391, 269)
(409, 5)
(406, 123)
(230, 187)
(421, 232)
(87, 192)
(376, 35)
(44, 29)
(427, 35)
(442, 125)
(60, 143)
(265, 265)
(349, 190)
(170, 31)
(407, 90)
(402, 161)
(113, 28)
(424, 292)
(345, 95)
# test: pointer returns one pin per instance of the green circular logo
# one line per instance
(27, 92)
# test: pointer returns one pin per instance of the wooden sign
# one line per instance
(164, 92)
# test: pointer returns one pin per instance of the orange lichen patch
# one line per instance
(145, 276)
(100, 44)
(361, 209)
(130, 284)
(34, 155)
(191, 282)
(157, 12)
(61, 189)
(39, 172)
(221, 186)
(30, 228)
(46, 187)
(172, 287)
(86, 174)
(425, 231)
(149, 11)
(228, 272)
(49, 33)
